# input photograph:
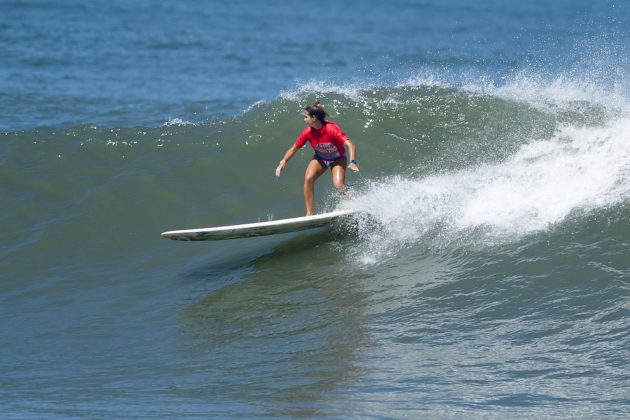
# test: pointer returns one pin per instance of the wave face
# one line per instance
(486, 275)
(460, 160)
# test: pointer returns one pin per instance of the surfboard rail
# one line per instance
(249, 230)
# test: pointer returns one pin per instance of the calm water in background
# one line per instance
(491, 277)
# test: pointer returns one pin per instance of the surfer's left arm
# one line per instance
(352, 151)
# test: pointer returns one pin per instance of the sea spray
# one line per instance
(579, 169)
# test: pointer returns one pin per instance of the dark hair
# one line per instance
(317, 110)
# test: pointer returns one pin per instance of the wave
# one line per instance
(489, 164)
(440, 161)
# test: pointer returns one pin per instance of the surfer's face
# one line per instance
(310, 120)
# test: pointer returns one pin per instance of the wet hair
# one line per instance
(317, 110)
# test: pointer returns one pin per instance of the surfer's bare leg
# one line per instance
(338, 172)
(313, 171)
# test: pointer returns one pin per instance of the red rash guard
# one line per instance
(327, 142)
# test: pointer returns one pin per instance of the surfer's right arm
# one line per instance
(288, 155)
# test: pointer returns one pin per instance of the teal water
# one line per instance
(490, 277)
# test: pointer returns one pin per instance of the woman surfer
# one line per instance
(329, 144)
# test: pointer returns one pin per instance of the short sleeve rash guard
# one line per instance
(327, 142)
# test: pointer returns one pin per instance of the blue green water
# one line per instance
(490, 277)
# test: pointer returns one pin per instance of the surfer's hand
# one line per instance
(354, 167)
(280, 167)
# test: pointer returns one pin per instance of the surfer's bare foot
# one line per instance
(345, 193)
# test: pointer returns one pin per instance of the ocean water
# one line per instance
(489, 273)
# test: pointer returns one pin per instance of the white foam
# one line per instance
(535, 189)
(177, 122)
(562, 90)
(354, 91)
(424, 79)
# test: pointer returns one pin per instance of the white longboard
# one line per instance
(249, 230)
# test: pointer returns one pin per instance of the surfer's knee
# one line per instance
(309, 180)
